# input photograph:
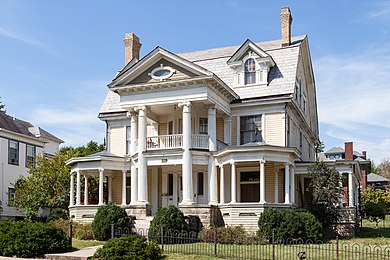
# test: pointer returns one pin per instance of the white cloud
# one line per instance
(353, 100)
(380, 11)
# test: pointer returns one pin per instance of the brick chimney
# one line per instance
(286, 20)
(132, 47)
(364, 155)
(349, 151)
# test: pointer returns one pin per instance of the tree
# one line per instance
(373, 203)
(49, 181)
(374, 169)
(325, 191)
(384, 168)
(2, 106)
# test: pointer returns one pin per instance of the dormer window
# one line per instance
(250, 71)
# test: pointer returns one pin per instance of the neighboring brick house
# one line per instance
(217, 132)
(20, 143)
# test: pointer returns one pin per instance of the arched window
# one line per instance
(250, 71)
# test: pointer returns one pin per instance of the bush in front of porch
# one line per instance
(289, 224)
(105, 216)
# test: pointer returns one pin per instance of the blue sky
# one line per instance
(56, 57)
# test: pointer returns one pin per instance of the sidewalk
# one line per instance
(81, 254)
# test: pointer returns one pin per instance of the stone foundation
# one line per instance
(206, 213)
(139, 211)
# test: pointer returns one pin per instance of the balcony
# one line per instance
(198, 141)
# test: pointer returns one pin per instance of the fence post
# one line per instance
(162, 238)
(337, 247)
(112, 230)
(215, 241)
(273, 244)
(70, 234)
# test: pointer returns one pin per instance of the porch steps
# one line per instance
(143, 223)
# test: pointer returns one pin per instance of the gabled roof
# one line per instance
(245, 47)
(25, 128)
(372, 177)
(281, 77)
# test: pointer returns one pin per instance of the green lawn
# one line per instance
(78, 244)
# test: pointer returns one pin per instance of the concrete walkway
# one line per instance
(81, 254)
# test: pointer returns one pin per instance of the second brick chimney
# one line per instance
(349, 151)
(132, 47)
(286, 20)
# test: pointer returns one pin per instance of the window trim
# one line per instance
(17, 152)
(251, 74)
(13, 193)
(259, 131)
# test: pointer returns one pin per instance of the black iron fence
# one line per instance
(252, 247)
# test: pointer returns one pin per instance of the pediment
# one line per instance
(251, 49)
(159, 59)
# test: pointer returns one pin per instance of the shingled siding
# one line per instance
(118, 140)
(275, 129)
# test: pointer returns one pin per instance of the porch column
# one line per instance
(71, 202)
(212, 128)
(86, 190)
(350, 189)
(78, 188)
(292, 185)
(142, 168)
(221, 185)
(262, 181)
(227, 133)
(276, 187)
(233, 183)
(175, 189)
(101, 177)
(109, 184)
(287, 184)
(212, 175)
(188, 194)
(133, 167)
(123, 187)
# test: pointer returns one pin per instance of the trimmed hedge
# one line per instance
(289, 224)
(82, 231)
(128, 247)
(170, 218)
(107, 214)
(229, 235)
(31, 240)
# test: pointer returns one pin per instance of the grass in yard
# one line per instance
(78, 244)
(189, 257)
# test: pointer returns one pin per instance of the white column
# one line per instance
(175, 189)
(262, 181)
(212, 128)
(142, 168)
(109, 184)
(133, 167)
(71, 202)
(227, 133)
(188, 194)
(101, 176)
(78, 188)
(86, 190)
(276, 187)
(292, 185)
(350, 189)
(221, 185)
(123, 187)
(233, 183)
(212, 174)
(287, 184)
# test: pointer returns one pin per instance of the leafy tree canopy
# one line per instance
(384, 168)
(2, 106)
(49, 181)
(374, 204)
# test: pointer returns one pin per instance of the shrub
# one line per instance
(107, 214)
(229, 235)
(80, 230)
(170, 218)
(58, 213)
(26, 239)
(128, 247)
(289, 224)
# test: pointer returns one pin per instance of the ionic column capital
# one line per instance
(140, 108)
(184, 104)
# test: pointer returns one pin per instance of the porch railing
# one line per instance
(200, 141)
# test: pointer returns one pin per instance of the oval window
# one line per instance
(162, 73)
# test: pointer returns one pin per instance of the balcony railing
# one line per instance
(200, 141)
(164, 142)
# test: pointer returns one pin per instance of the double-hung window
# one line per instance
(250, 129)
(13, 152)
(30, 155)
(250, 71)
(203, 126)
